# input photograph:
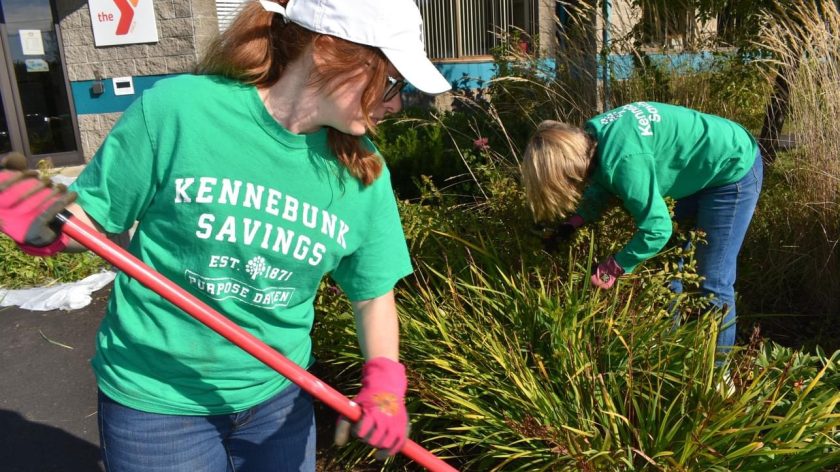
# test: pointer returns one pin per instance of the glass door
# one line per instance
(39, 118)
(5, 140)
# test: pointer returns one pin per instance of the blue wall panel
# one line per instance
(88, 103)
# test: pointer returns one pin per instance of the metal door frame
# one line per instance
(13, 108)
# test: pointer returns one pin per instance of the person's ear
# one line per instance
(322, 43)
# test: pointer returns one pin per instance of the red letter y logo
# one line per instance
(126, 15)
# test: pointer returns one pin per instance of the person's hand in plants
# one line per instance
(553, 237)
(28, 207)
(607, 273)
(384, 421)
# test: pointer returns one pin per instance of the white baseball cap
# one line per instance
(393, 26)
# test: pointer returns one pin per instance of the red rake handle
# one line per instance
(214, 320)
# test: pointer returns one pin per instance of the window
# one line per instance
(466, 28)
(226, 11)
(452, 28)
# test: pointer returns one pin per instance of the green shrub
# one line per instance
(738, 89)
(19, 270)
(533, 369)
(791, 263)
(730, 84)
(517, 363)
(789, 272)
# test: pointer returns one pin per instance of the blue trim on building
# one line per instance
(87, 103)
(620, 67)
(460, 74)
(464, 74)
(457, 72)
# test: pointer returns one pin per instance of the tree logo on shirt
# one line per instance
(255, 267)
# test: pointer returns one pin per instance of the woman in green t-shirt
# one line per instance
(247, 184)
(641, 153)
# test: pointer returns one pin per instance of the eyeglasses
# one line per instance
(392, 88)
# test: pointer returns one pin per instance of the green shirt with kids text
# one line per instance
(647, 151)
(246, 216)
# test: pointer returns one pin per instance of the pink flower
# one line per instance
(481, 144)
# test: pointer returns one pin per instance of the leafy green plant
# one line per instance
(18, 269)
(534, 370)
(738, 89)
(791, 255)
(21, 270)
(516, 363)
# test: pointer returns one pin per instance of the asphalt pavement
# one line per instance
(47, 390)
(48, 420)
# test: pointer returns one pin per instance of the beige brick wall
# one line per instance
(184, 29)
(547, 27)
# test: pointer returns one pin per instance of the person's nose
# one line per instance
(394, 105)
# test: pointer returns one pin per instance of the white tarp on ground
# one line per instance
(65, 296)
(63, 179)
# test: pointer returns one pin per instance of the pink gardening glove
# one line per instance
(51, 249)
(607, 273)
(575, 221)
(384, 422)
(552, 238)
(28, 206)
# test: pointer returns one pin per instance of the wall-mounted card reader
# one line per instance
(123, 85)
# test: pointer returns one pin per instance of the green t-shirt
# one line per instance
(647, 151)
(245, 215)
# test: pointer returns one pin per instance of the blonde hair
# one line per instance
(555, 168)
(258, 45)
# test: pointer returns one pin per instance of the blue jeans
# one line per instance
(277, 435)
(724, 214)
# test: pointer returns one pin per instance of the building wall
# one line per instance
(547, 18)
(623, 16)
(184, 30)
